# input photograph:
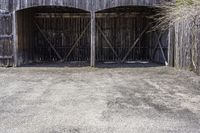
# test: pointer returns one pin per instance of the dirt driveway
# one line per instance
(99, 100)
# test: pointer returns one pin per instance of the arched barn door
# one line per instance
(124, 34)
(53, 34)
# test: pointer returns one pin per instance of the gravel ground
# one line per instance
(133, 99)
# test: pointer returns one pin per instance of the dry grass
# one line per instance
(183, 10)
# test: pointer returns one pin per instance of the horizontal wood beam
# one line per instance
(6, 36)
(87, 15)
(5, 15)
(6, 57)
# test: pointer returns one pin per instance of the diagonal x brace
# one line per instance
(106, 39)
(135, 43)
(161, 48)
(77, 40)
(155, 48)
(49, 42)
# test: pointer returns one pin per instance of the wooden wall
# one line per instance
(24, 33)
(121, 31)
(23, 24)
(63, 31)
(88, 5)
(4, 5)
(186, 48)
(41, 36)
(116, 33)
(6, 47)
(105, 4)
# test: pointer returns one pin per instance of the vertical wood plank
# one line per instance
(15, 39)
(93, 31)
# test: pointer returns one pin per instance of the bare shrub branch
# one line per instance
(182, 10)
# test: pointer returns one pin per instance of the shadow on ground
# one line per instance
(133, 64)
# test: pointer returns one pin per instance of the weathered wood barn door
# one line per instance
(6, 47)
(124, 34)
(53, 34)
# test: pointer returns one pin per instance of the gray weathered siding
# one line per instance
(4, 5)
(9, 39)
(186, 47)
(89, 5)
(21, 4)
(6, 39)
(104, 4)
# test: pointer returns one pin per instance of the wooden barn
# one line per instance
(92, 31)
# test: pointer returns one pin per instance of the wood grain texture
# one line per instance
(185, 47)
(88, 5)
(4, 5)
(19, 39)
(6, 49)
